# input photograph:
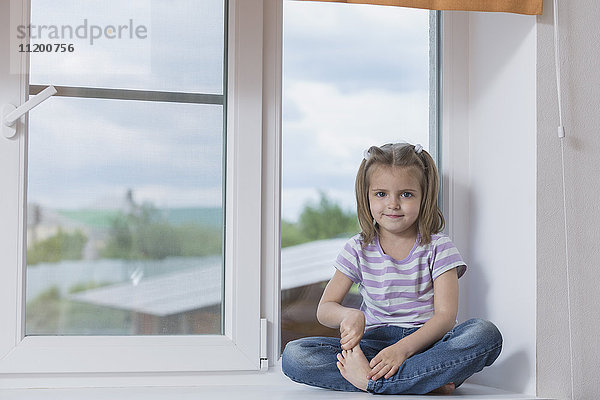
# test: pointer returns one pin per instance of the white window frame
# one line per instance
(239, 347)
(254, 147)
(454, 137)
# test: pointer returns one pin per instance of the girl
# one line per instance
(403, 339)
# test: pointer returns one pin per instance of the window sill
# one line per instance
(239, 386)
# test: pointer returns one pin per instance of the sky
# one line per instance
(86, 153)
(354, 76)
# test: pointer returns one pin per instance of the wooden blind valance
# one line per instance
(530, 7)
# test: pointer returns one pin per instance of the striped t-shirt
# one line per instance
(398, 292)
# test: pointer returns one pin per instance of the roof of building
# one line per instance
(196, 288)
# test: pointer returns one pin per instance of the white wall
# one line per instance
(580, 50)
(501, 283)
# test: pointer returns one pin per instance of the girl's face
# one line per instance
(395, 200)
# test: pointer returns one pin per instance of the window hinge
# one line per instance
(264, 360)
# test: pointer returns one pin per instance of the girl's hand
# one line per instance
(387, 362)
(352, 329)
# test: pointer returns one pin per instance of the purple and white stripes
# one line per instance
(398, 292)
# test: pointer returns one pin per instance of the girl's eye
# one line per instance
(406, 195)
(380, 194)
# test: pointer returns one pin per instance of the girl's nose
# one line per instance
(393, 203)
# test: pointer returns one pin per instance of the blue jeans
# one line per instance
(463, 351)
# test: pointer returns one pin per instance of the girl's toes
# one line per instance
(340, 366)
(340, 359)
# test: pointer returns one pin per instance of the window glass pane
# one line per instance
(125, 218)
(125, 198)
(354, 76)
(158, 45)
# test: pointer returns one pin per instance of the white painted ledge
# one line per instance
(272, 385)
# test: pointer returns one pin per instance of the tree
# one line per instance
(326, 220)
(144, 233)
(141, 234)
(61, 246)
(120, 241)
(323, 220)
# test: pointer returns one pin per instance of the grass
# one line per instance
(102, 219)
(51, 314)
(93, 218)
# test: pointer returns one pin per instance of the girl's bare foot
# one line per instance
(446, 389)
(354, 367)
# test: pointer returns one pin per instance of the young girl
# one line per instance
(403, 339)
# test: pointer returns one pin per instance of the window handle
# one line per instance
(10, 113)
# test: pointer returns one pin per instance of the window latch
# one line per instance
(11, 114)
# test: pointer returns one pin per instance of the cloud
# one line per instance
(387, 47)
(354, 76)
(327, 142)
(323, 144)
(183, 51)
(83, 146)
(90, 64)
(82, 150)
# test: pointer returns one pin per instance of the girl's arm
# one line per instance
(332, 314)
(445, 303)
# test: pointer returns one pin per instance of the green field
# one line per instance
(102, 219)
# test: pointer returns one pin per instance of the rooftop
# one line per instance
(195, 288)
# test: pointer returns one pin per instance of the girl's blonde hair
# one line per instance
(405, 155)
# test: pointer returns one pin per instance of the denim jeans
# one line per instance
(463, 351)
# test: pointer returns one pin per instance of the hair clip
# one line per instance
(418, 148)
(366, 154)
